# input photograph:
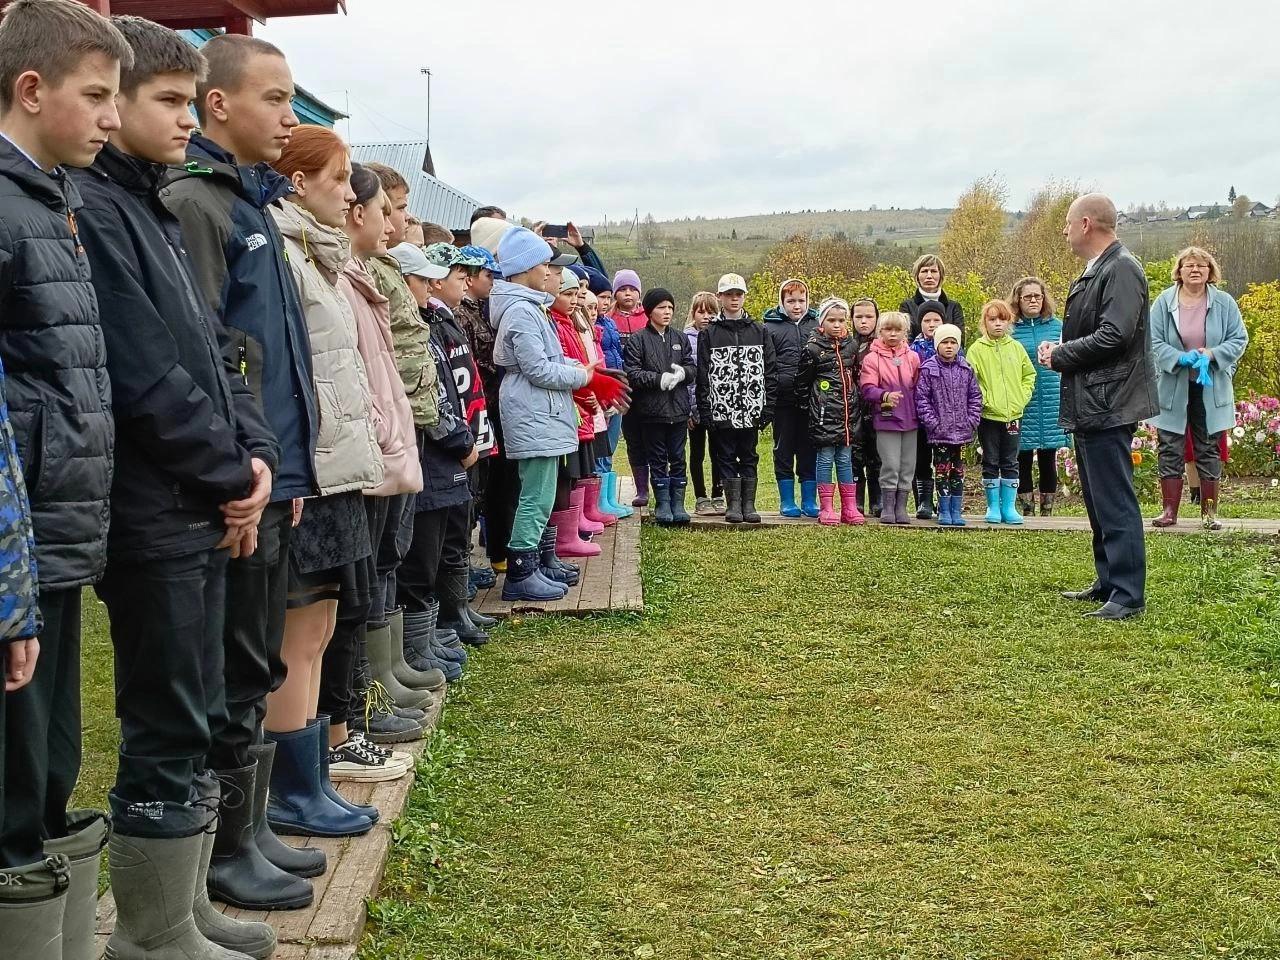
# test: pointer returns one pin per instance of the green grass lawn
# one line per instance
(840, 743)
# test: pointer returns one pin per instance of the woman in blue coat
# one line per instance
(1041, 435)
(1197, 338)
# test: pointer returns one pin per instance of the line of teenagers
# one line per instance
(178, 321)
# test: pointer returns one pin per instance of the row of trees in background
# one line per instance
(984, 259)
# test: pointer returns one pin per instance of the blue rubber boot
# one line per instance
(297, 804)
(944, 511)
(616, 506)
(809, 498)
(321, 727)
(957, 510)
(1009, 502)
(787, 498)
(992, 487)
(523, 582)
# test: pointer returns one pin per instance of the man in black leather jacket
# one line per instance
(1107, 388)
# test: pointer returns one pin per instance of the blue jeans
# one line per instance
(605, 464)
(841, 458)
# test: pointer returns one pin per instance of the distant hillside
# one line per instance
(894, 225)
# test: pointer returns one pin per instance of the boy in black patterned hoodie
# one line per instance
(737, 392)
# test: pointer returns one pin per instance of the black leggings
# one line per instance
(697, 454)
(1047, 460)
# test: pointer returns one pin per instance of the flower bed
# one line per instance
(1253, 445)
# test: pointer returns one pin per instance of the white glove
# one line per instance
(669, 381)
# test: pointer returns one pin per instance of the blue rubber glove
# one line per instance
(1203, 376)
(1187, 359)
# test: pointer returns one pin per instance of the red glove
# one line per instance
(610, 390)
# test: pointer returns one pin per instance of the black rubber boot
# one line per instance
(662, 500)
(552, 567)
(238, 872)
(733, 501)
(299, 861)
(452, 589)
(679, 515)
(924, 500)
(749, 514)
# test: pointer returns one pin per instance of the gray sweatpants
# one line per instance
(897, 449)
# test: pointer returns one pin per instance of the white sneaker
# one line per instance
(353, 761)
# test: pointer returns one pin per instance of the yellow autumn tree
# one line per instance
(1038, 248)
(973, 240)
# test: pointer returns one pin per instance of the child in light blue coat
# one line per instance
(539, 417)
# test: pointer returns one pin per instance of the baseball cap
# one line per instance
(475, 256)
(563, 259)
(731, 281)
(414, 262)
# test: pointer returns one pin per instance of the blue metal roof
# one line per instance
(430, 198)
(308, 107)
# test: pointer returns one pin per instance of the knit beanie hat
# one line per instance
(579, 271)
(626, 278)
(568, 281)
(948, 331)
(932, 306)
(597, 282)
(655, 297)
(521, 249)
(830, 303)
(488, 231)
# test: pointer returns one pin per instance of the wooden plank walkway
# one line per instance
(331, 927)
(1186, 524)
(609, 582)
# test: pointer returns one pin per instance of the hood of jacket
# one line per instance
(327, 246)
(880, 347)
(358, 275)
(778, 315)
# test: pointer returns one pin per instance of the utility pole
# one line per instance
(427, 73)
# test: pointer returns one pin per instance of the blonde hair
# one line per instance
(1015, 297)
(1197, 253)
(929, 260)
(893, 320)
(704, 301)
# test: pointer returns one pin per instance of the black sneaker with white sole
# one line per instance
(354, 761)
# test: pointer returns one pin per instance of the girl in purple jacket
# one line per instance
(949, 405)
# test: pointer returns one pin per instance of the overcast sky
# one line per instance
(686, 107)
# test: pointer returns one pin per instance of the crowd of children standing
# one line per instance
(264, 414)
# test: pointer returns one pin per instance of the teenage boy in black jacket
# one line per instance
(59, 73)
(660, 368)
(194, 462)
(223, 200)
(737, 393)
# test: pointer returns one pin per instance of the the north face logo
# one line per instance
(255, 241)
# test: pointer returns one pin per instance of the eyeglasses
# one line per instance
(1033, 296)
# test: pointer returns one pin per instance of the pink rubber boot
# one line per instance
(827, 515)
(849, 512)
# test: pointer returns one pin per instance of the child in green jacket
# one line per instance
(1007, 380)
